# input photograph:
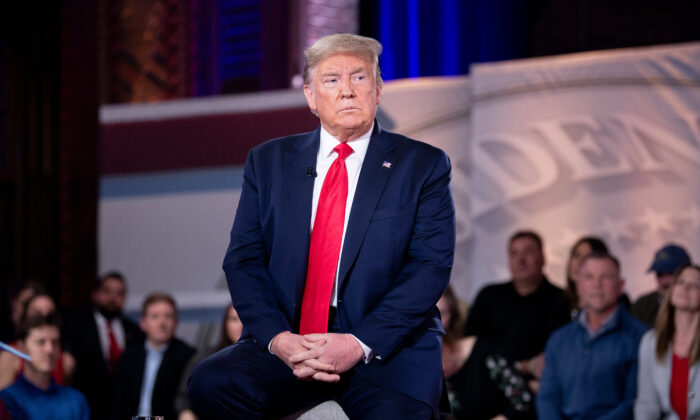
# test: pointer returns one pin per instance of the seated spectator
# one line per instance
(590, 368)
(455, 348)
(16, 304)
(35, 394)
(231, 330)
(11, 366)
(148, 374)
(579, 251)
(511, 322)
(669, 355)
(19, 300)
(97, 337)
(666, 261)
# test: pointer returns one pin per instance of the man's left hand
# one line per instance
(533, 366)
(342, 351)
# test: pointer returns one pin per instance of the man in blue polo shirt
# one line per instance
(35, 395)
(590, 369)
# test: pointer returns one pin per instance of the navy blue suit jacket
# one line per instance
(395, 262)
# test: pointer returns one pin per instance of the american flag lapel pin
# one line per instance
(386, 164)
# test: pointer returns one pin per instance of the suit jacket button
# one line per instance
(691, 395)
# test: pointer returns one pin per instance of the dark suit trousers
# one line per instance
(245, 381)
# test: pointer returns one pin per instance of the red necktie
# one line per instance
(324, 250)
(114, 350)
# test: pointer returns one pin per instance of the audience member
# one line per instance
(511, 322)
(149, 373)
(231, 330)
(15, 307)
(97, 337)
(669, 355)
(666, 261)
(11, 366)
(579, 251)
(455, 348)
(35, 394)
(590, 369)
(19, 300)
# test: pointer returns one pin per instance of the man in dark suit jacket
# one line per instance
(377, 352)
(149, 373)
(88, 339)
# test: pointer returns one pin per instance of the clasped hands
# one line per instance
(321, 357)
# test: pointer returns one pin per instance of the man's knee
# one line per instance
(364, 399)
(204, 381)
(216, 392)
(240, 379)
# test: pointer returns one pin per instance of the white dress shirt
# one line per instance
(325, 158)
(150, 371)
(117, 329)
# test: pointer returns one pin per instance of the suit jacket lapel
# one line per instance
(299, 187)
(95, 344)
(370, 186)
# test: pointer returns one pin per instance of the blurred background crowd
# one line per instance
(523, 348)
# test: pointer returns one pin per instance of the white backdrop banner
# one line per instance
(604, 143)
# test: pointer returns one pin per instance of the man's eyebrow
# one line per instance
(337, 73)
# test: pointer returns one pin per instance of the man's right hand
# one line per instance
(287, 344)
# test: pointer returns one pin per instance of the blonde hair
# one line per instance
(665, 323)
(361, 46)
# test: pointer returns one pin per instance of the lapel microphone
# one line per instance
(311, 172)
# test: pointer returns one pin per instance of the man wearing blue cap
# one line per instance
(666, 261)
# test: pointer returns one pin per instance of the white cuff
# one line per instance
(269, 345)
(369, 353)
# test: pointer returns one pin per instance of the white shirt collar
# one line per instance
(150, 349)
(604, 326)
(359, 145)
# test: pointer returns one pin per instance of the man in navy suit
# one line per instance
(376, 220)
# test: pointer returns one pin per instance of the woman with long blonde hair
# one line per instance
(669, 355)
